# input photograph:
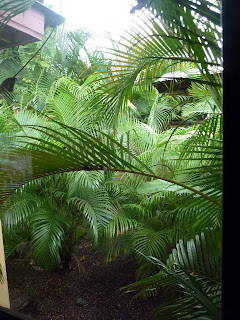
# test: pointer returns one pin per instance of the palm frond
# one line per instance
(195, 267)
(47, 237)
(150, 242)
(17, 210)
(94, 204)
(16, 240)
(160, 46)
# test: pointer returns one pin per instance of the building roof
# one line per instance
(52, 18)
(29, 26)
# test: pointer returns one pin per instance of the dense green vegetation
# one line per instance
(87, 144)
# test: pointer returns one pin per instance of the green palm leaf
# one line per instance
(193, 265)
(172, 41)
(47, 237)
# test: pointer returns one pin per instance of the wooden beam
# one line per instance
(4, 295)
(4, 39)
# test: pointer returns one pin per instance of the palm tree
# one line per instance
(49, 216)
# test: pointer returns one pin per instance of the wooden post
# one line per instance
(4, 295)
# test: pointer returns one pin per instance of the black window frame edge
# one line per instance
(8, 314)
(231, 172)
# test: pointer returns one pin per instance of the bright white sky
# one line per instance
(98, 15)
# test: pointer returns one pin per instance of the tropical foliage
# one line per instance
(87, 144)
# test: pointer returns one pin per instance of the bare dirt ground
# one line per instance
(88, 291)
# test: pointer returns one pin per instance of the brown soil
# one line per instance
(88, 291)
